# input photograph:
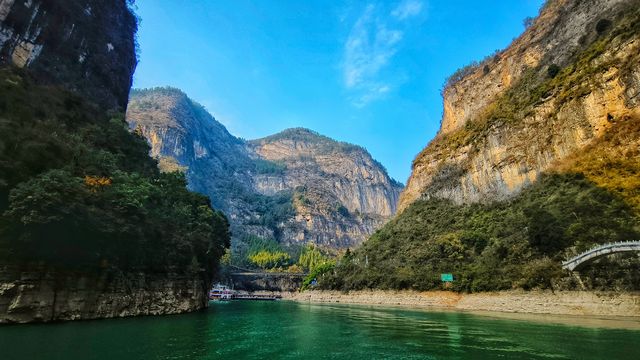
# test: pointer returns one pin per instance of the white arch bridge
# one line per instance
(599, 251)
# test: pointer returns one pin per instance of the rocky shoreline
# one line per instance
(46, 295)
(516, 301)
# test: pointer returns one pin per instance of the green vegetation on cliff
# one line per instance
(612, 161)
(78, 190)
(587, 194)
(325, 144)
(516, 244)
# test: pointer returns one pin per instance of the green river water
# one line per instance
(289, 330)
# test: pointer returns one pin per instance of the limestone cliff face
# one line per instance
(341, 195)
(184, 136)
(86, 46)
(43, 295)
(296, 186)
(559, 86)
(358, 181)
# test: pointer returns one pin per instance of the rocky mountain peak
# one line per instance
(296, 186)
(563, 29)
(174, 124)
(557, 88)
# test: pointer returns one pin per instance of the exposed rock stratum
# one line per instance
(568, 78)
(296, 186)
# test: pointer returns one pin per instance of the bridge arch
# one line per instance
(598, 252)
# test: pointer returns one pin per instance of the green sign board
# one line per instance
(446, 277)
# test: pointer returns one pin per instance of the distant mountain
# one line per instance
(296, 187)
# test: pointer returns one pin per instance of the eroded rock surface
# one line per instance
(568, 78)
(297, 186)
(42, 295)
(87, 46)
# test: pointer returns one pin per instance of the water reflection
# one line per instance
(285, 330)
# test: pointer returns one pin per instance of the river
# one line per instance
(290, 330)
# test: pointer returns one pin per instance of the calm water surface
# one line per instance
(288, 330)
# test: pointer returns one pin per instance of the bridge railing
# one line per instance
(266, 273)
(600, 248)
(244, 271)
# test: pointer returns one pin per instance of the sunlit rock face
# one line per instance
(184, 136)
(337, 194)
(481, 157)
(356, 180)
(86, 46)
(341, 194)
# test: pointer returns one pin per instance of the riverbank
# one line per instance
(46, 294)
(527, 302)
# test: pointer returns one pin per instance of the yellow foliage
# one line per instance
(226, 258)
(269, 260)
(295, 268)
(311, 258)
(96, 182)
(612, 161)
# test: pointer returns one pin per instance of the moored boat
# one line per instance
(221, 292)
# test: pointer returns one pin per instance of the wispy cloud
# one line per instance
(407, 9)
(370, 47)
(374, 92)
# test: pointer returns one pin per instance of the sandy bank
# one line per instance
(528, 302)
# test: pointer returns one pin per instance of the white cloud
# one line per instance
(407, 9)
(372, 43)
(372, 93)
(365, 53)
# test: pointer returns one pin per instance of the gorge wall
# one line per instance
(41, 295)
(274, 282)
(65, 66)
(297, 187)
(84, 45)
(340, 194)
(563, 83)
(537, 159)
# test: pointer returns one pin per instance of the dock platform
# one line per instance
(255, 297)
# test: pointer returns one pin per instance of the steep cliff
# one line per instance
(83, 45)
(557, 88)
(296, 186)
(41, 294)
(341, 194)
(359, 182)
(184, 136)
(536, 161)
(89, 227)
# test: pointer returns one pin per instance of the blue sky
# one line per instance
(369, 73)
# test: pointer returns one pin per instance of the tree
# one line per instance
(528, 22)
(545, 231)
(270, 260)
